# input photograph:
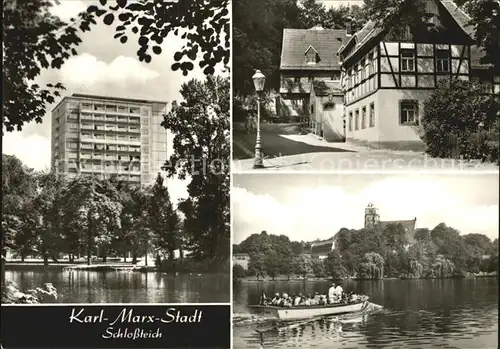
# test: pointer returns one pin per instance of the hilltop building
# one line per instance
(109, 137)
(242, 259)
(321, 249)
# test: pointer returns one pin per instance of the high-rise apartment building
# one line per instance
(109, 137)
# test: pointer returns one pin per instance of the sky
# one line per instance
(306, 207)
(103, 66)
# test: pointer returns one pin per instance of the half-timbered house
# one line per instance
(387, 76)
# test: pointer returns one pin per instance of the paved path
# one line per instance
(306, 152)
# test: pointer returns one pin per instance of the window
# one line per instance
(372, 115)
(145, 149)
(371, 63)
(363, 117)
(356, 120)
(355, 75)
(311, 57)
(134, 110)
(362, 69)
(72, 126)
(407, 59)
(409, 112)
(145, 140)
(144, 121)
(72, 145)
(442, 61)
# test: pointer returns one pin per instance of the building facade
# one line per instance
(307, 55)
(326, 104)
(321, 249)
(242, 259)
(372, 220)
(109, 137)
(388, 76)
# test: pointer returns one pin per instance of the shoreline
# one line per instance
(249, 281)
(98, 267)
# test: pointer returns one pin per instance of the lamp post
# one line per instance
(258, 80)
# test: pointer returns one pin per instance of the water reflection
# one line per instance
(77, 286)
(417, 314)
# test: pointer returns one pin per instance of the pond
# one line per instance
(78, 286)
(449, 313)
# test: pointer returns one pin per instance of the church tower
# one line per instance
(372, 218)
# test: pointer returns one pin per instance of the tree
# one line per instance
(272, 264)
(334, 266)
(398, 14)
(18, 191)
(258, 34)
(48, 207)
(469, 112)
(485, 23)
(372, 266)
(33, 40)
(238, 271)
(200, 125)
(302, 266)
(163, 220)
(257, 265)
(313, 12)
(204, 25)
(91, 213)
(135, 234)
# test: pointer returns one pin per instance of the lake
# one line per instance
(449, 313)
(77, 286)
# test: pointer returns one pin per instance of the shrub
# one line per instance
(461, 120)
(238, 271)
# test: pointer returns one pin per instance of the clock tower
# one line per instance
(372, 218)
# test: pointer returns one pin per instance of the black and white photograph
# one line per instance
(115, 152)
(365, 85)
(365, 260)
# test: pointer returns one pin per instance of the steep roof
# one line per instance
(370, 31)
(325, 42)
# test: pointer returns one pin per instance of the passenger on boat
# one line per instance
(307, 300)
(315, 300)
(322, 300)
(338, 292)
(296, 300)
(286, 300)
(276, 300)
(263, 299)
(331, 293)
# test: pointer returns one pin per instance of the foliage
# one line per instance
(91, 213)
(33, 40)
(203, 25)
(200, 125)
(375, 253)
(335, 266)
(485, 22)
(163, 220)
(258, 34)
(461, 119)
(238, 271)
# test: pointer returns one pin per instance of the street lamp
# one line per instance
(258, 80)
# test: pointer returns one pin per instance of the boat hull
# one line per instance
(304, 312)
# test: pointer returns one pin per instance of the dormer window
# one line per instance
(311, 56)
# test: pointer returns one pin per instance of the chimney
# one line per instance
(349, 25)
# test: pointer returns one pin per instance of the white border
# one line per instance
(231, 175)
